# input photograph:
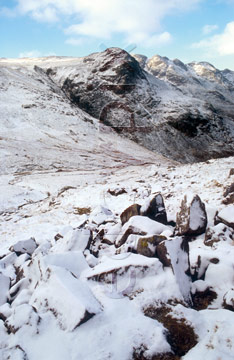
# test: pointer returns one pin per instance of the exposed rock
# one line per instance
(163, 255)
(180, 334)
(117, 191)
(155, 209)
(191, 220)
(229, 195)
(229, 189)
(132, 210)
(130, 230)
(147, 245)
(24, 247)
(226, 216)
(231, 172)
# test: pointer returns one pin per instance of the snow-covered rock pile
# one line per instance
(138, 285)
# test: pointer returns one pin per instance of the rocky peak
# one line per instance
(184, 112)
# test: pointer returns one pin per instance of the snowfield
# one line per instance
(78, 279)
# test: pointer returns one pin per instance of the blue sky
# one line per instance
(200, 30)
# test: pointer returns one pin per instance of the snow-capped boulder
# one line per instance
(175, 253)
(74, 240)
(68, 298)
(123, 273)
(139, 225)
(73, 261)
(143, 245)
(217, 233)
(155, 209)
(14, 353)
(191, 220)
(23, 315)
(24, 247)
(132, 210)
(226, 216)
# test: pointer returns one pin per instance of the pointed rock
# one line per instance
(191, 220)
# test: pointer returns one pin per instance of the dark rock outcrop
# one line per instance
(156, 209)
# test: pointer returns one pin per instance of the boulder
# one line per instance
(217, 233)
(69, 299)
(226, 216)
(129, 212)
(191, 220)
(140, 225)
(147, 245)
(174, 253)
(155, 209)
(73, 240)
(24, 247)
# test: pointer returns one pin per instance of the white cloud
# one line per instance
(34, 54)
(221, 44)
(207, 29)
(136, 20)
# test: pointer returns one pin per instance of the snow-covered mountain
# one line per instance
(109, 250)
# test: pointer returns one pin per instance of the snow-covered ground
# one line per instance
(68, 290)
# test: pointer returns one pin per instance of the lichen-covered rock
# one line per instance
(155, 209)
(191, 220)
(132, 210)
(226, 216)
(147, 245)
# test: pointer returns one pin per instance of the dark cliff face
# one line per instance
(173, 110)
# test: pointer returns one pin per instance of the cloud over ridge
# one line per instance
(138, 21)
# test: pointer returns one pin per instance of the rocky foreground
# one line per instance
(126, 266)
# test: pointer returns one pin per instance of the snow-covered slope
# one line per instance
(82, 275)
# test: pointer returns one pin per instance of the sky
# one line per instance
(190, 30)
